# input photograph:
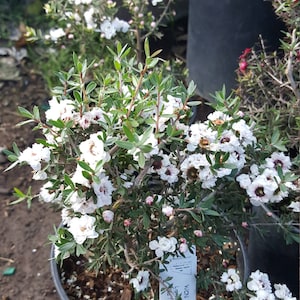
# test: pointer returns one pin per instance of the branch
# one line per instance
(289, 68)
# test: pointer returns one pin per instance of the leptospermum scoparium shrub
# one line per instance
(135, 180)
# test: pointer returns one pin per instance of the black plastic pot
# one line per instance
(269, 252)
(242, 260)
(56, 276)
(218, 32)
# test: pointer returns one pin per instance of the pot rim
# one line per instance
(55, 275)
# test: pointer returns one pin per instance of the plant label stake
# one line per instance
(180, 276)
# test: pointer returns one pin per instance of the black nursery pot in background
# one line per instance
(218, 32)
(269, 252)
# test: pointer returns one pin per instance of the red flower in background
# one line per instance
(243, 60)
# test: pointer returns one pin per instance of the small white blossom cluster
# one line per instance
(263, 183)
(232, 280)
(35, 156)
(141, 281)
(258, 283)
(163, 245)
(86, 12)
(55, 34)
(110, 28)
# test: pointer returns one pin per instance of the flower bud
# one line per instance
(108, 216)
(168, 210)
(127, 222)
(149, 200)
(183, 247)
(198, 233)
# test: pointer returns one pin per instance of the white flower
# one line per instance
(107, 29)
(79, 178)
(35, 155)
(120, 25)
(78, 2)
(228, 141)
(218, 117)
(295, 206)
(244, 133)
(48, 194)
(283, 292)
(62, 110)
(169, 173)
(244, 180)
(232, 280)
(279, 159)
(93, 150)
(83, 228)
(108, 216)
(96, 115)
(81, 204)
(261, 190)
(55, 34)
(154, 2)
(66, 215)
(103, 190)
(263, 295)
(259, 281)
(200, 135)
(40, 175)
(84, 120)
(163, 244)
(168, 210)
(141, 282)
(88, 16)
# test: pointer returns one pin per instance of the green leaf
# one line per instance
(153, 62)
(146, 135)
(90, 87)
(36, 113)
(146, 221)
(69, 182)
(196, 217)
(125, 145)
(25, 113)
(210, 212)
(58, 123)
(16, 149)
(77, 96)
(80, 250)
(128, 133)
(85, 166)
(191, 88)
(66, 247)
(147, 48)
(141, 160)
(117, 64)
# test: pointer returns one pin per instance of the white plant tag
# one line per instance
(183, 271)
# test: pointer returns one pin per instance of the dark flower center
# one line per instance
(157, 164)
(225, 139)
(204, 143)
(259, 191)
(192, 173)
(278, 162)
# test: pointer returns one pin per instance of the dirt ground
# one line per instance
(23, 232)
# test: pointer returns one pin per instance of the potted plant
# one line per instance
(145, 195)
